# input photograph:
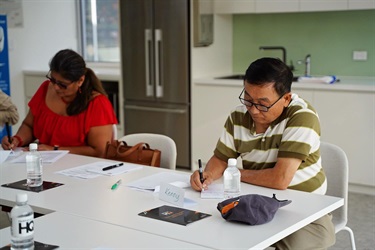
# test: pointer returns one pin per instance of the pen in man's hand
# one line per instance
(8, 132)
(114, 186)
(113, 166)
(200, 170)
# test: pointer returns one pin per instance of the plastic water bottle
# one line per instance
(22, 229)
(34, 166)
(232, 180)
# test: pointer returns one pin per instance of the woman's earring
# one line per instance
(80, 90)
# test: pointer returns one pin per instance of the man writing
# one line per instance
(277, 135)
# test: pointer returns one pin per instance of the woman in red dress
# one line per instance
(69, 111)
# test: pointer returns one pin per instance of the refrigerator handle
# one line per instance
(159, 63)
(148, 44)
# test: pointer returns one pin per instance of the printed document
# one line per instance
(95, 169)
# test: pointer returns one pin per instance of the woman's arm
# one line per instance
(97, 139)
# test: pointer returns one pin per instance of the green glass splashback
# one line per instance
(329, 37)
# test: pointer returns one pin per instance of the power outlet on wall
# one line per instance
(360, 55)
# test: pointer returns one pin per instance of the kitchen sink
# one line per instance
(241, 77)
(232, 77)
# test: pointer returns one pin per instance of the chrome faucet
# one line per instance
(307, 64)
(275, 48)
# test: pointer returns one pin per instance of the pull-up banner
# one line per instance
(4, 62)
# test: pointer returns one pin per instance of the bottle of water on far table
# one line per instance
(232, 179)
(22, 228)
(34, 166)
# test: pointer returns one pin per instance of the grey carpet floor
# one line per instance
(361, 219)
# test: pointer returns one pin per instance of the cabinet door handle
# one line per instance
(159, 63)
(148, 73)
(164, 110)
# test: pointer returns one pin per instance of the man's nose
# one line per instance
(253, 109)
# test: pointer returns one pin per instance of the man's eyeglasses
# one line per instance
(260, 107)
(58, 83)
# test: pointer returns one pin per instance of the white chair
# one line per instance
(165, 144)
(336, 166)
(114, 131)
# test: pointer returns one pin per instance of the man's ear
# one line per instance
(287, 98)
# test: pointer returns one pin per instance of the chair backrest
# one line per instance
(114, 132)
(165, 144)
(336, 166)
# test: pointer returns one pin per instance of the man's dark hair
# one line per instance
(266, 70)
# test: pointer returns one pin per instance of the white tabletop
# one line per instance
(94, 199)
(75, 232)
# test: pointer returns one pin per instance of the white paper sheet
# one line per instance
(152, 182)
(94, 169)
(4, 155)
(47, 156)
(214, 191)
(98, 168)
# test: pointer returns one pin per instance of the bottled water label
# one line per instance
(23, 226)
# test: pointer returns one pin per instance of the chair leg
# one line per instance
(351, 234)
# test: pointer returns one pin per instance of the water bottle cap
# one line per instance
(33, 146)
(232, 161)
(22, 197)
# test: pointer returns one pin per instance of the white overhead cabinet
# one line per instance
(361, 4)
(323, 5)
(278, 6)
(272, 6)
(234, 6)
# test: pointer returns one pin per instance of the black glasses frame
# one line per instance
(258, 106)
(58, 83)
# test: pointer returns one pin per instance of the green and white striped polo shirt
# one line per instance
(295, 134)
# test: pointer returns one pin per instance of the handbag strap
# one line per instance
(138, 146)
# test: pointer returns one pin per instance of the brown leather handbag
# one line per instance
(141, 153)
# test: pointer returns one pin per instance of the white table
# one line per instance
(75, 232)
(93, 199)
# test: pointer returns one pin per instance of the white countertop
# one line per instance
(109, 72)
(346, 83)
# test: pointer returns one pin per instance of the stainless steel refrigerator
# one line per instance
(155, 58)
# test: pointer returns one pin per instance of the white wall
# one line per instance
(48, 26)
(215, 59)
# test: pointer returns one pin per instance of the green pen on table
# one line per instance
(114, 186)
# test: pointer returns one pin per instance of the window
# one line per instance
(100, 30)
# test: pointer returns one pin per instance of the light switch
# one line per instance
(360, 55)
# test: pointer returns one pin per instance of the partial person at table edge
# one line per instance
(69, 111)
(8, 111)
(277, 135)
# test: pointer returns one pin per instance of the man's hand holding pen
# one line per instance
(200, 179)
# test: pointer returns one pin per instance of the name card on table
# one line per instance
(172, 194)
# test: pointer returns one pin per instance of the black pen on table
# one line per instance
(113, 166)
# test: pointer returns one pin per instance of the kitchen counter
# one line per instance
(347, 83)
(107, 73)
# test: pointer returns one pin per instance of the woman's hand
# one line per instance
(7, 145)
